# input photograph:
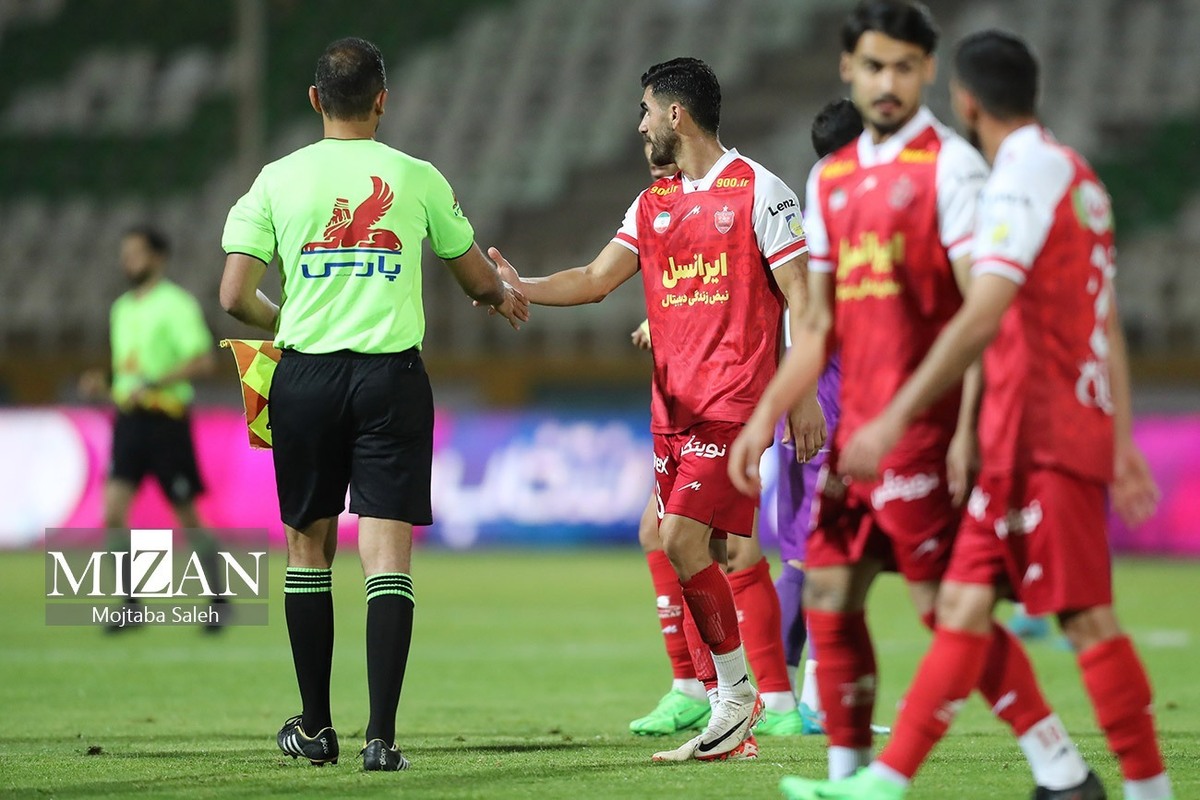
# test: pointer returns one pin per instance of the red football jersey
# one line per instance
(887, 220)
(1045, 222)
(706, 249)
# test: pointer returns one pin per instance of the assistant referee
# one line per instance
(351, 403)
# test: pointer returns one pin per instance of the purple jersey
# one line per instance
(798, 482)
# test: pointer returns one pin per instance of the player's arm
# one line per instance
(960, 343)
(240, 296)
(806, 420)
(480, 279)
(1135, 495)
(962, 458)
(615, 264)
(795, 379)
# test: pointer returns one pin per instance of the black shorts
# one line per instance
(151, 442)
(350, 419)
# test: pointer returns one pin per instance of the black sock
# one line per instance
(389, 633)
(308, 605)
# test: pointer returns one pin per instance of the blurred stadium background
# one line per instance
(121, 111)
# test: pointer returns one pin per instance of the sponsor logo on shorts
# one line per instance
(1020, 522)
(1033, 573)
(978, 503)
(694, 486)
(660, 465)
(694, 447)
(903, 487)
(926, 548)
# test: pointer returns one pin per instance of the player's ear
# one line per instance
(380, 101)
(930, 69)
(846, 67)
(314, 100)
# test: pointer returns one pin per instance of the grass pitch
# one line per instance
(526, 669)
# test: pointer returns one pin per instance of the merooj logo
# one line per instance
(207, 580)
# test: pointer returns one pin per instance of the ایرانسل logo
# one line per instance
(198, 577)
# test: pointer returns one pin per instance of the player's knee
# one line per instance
(965, 607)
(825, 592)
(1089, 627)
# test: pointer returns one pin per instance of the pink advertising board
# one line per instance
(499, 478)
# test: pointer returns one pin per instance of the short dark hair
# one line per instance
(835, 126)
(904, 20)
(1001, 71)
(350, 74)
(154, 238)
(691, 83)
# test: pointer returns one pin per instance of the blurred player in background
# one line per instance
(835, 126)
(719, 259)
(351, 404)
(890, 221)
(160, 343)
(1055, 429)
(686, 705)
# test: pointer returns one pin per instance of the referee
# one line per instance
(351, 403)
(159, 343)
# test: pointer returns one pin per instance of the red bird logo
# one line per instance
(346, 230)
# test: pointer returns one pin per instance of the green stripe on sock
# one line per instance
(397, 583)
(308, 580)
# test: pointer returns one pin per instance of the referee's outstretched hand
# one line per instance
(515, 307)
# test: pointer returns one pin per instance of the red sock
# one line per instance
(669, 596)
(711, 601)
(1009, 685)
(1116, 681)
(701, 656)
(845, 675)
(758, 618)
(948, 674)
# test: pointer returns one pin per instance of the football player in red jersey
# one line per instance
(1054, 429)
(721, 249)
(890, 219)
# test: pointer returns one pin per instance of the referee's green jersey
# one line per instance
(152, 335)
(347, 217)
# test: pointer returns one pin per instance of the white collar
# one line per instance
(871, 154)
(1022, 137)
(705, 183)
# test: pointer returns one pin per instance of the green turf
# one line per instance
(525, 672)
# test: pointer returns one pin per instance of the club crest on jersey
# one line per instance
(723, 219)
(902, 193)
(1092, 207)
(662, 222)
(837, 199)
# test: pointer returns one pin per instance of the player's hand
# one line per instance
(93, 385)
(745, 453)
(962, 465)
(515, 307)
(1135, 495)
(508, 273)
(641, 336)
(806, 427)
(867, 447)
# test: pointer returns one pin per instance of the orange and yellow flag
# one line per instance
(256, 360)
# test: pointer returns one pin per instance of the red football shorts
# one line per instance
(1045, 533)
(906, 520)
(691, 478)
